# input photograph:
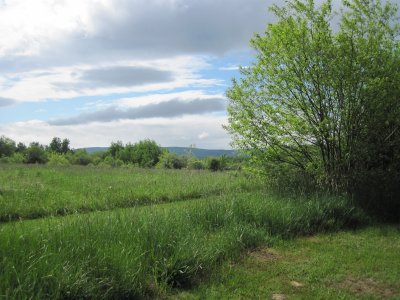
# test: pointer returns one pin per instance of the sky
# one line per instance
(100, 71)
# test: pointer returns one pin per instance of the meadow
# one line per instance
(35, 191)
(115, 233)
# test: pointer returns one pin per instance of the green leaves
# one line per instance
(315, 89)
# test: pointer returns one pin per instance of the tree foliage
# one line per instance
(170, 160)
(7, 146)
(35, 154)
(58, 146)
(144, 153)
(321, 100)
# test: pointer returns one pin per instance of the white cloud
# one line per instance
(203, 135)
(27, 27)
(230, 68)
(69, 82)
(181, 132)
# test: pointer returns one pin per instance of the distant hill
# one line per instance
(199, 153)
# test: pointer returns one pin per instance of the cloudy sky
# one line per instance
(97, 71)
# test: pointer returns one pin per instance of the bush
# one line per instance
(17, 158)
(169, 160)
(214, 164)
(146, 153)
(195, 164)
(5, 160)
(80, 157)
(7, 146)
(112, 162)
(56, 159)
(35, 154)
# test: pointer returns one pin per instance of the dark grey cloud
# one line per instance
(191, 26)
(6, 102)
(117, 76)
(169, 109)
(125, 76)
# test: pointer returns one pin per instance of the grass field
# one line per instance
(144, 233)
(29, 192)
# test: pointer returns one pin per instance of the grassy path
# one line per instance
(363, 264)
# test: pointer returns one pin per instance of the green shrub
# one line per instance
(214, 164)
(7, 146)
(112, 162)
(35, 154)
(80, 157)
(5, 160)
(195, 164)
(169, 160)
(56, 159)
(146, 153)
(17, 158)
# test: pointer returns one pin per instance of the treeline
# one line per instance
(143, 154)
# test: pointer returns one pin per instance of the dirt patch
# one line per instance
(296, 284)
(367, 286)
(314, 239)
(279, 297)
(265, 254)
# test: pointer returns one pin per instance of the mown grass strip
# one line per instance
(360, 264)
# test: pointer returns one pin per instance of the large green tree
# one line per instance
(322, 98)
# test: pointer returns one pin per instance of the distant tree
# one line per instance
(170, 160)
(21, 147)
(146, 153)
(115, 148)
(80, 157)
(126, 154)
(65, 146)
(58, 146)
(214, 164)
(7, 146)
(55, 145)
(35, 153)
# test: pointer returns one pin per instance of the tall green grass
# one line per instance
(28, 192)
(143, 252)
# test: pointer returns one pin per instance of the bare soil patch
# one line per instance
(265, 254)
(279, 297)
(362, 286)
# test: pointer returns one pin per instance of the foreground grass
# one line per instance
(363, 264)
(29, 192)
(144, 252)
